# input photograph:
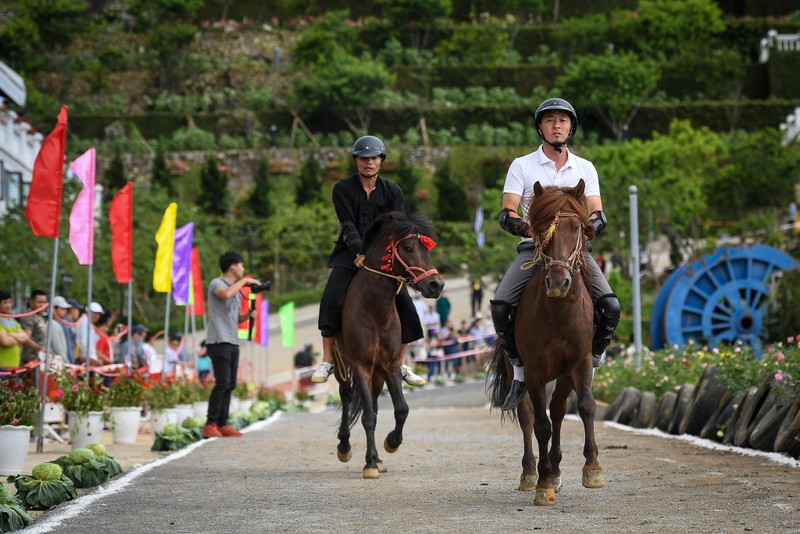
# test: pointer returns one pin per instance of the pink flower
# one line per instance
(15, 421)
(780, 356)
(778, 377)
(75, 387)
(737, 350)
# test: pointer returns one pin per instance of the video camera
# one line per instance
(258, 288)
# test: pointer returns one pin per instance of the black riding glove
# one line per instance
(513, 225)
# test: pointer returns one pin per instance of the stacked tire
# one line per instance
(765, 418)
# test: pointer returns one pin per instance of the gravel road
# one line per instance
(456, 471)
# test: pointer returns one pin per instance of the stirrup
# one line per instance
(515, 395)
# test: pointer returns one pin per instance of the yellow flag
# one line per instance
(165, 237)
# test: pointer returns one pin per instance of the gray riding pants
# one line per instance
(513, 283)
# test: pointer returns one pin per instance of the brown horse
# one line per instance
(368, 347)
(554, 340)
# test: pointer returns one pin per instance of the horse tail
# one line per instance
(498, 383)
(356, 406)
(498, 379)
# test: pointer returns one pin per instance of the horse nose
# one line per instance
(437, 286)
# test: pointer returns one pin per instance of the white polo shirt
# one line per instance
(525, 171)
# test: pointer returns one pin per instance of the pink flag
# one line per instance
(81, 219)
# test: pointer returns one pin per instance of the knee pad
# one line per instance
(503, 313)
(607, 307)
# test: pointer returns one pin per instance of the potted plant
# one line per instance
(19, 406)
(125, 397)
(186, 396)
(84, 401)
(161, 397)
(244, 392)
(202, 392)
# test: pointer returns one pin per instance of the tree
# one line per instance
(309, 187)
(347, 86)
(417, 17)
(214, 197)
(161, 176)
(408, 178)
(614, 85)
(36, 29)
(167, 32)
(115, 173)
(452, 203)
(326, 36)
(260, 200)
(475, 44)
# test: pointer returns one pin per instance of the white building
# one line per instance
(19, 143)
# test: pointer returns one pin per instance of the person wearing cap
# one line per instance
(131, 349)
(358, 200)
(58, 337)
(553, 164)
(86, 331)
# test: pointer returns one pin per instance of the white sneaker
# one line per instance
(410, 377)
(322, 373)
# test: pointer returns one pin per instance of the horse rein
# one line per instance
(573, 262)
(388, 265)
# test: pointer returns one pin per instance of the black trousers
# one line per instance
(330, 307)
(225, 360)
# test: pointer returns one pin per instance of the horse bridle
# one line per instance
(388, 263)
(573, 262)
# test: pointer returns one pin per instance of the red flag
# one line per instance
(120, 217)
(44, 199)
(198, 295)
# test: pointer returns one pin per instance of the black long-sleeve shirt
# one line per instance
(354, 208)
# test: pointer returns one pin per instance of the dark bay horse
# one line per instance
(367, 350)
(553, 332)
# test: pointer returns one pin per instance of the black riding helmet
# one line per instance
(556, 104)
(369, 146)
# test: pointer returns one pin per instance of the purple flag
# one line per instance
(182, 264)
(263, 316)
(81, 219)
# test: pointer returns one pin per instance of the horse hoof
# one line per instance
(593, 478)
(544, 497)
(371, 473)
(381, 467)
(388, 448)
(344, 456)
(527, 482)
(557, 482)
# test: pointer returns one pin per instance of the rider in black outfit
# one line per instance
(359, 199)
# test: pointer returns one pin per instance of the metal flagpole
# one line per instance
(194, 342)
(88, 323)
(637, 299)
(43, 381)
(166, 335)
(129, 356)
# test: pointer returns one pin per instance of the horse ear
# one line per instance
(578, 190)
(537, 189)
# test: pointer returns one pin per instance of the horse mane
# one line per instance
(395, 224)
(551, 200)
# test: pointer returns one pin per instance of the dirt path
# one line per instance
(456, 472)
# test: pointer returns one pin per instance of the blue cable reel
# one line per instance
(721, 298)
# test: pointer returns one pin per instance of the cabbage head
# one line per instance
(47, 471)
(12, 515)
(98, 448)
(193, 422)
(81, 456)
(171, 429)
